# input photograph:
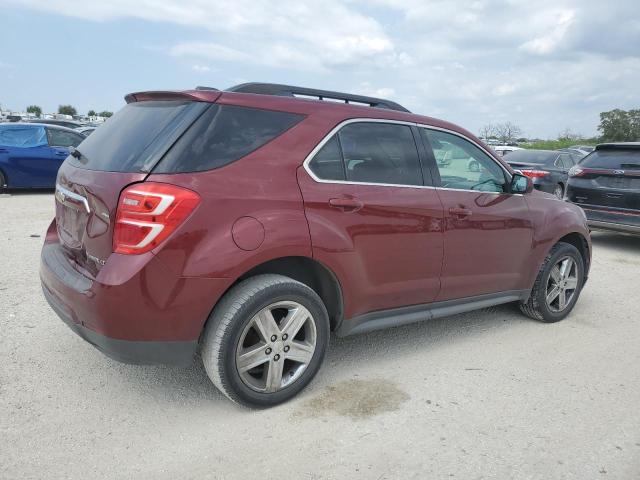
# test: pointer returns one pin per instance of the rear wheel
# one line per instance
(557, 286)
(265, 340)
(559, 191)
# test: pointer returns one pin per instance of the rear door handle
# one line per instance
(346, 204)
(62, 154)
(460, 212)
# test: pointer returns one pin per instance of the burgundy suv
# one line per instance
(245, 225)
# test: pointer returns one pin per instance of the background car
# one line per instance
(58, 122)
(548, 169)
(502, 150)
(606, 184)
(31, 154)
(86, 131)
(584, 149)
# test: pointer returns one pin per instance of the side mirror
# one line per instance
(521, 184)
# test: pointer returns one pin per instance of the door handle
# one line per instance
(346, 204)
(460, 212)
(62, 154)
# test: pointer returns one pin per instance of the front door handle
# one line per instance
(460, 212)
(346, 204)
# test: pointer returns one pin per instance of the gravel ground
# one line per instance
(489, 394)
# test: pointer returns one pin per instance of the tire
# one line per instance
(241, 329)
(559, 191)
(537, 306)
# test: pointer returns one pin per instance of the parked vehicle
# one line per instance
(30, 153)
(548, 169)
(248, 224)
(502, 150)
(606, 184)
(583, 149)
(85, 131)
(60, 123)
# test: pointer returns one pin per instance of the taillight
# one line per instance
(576, 171)
(148, 213)
(535, 173)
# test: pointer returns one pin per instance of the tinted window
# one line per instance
(224, 134)
(137, 136)
(564, 161)
(327, 163)
(532, 156)
(462, 165)
(23, 136)
(613, 159)
(380, 153)
(61, 138)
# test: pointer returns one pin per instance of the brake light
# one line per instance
(535, 173)
(148, 213)
(576, 171)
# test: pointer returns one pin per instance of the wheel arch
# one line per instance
(580, 242)
(309, 271)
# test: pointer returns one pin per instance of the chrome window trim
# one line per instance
(342, 124)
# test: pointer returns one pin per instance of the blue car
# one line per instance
(31, 153)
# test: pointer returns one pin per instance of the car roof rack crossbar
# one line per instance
(315, 94)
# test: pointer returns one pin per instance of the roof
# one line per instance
(618, 145)
(32, 124)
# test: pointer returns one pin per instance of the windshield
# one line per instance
(613, 159)
(135, 138)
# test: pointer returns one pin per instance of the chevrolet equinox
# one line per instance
(245, 225)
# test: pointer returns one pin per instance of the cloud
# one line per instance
(470, 61)
(201, 68)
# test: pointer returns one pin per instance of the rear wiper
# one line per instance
(74, 152)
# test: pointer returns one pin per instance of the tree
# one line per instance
(67, 110)
(507, 132)
(91, 113)
(35, 109)
(105, 113)
(487, 131)
(620, 125)
(568, 135)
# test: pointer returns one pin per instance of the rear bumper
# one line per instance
(127, 351)
(616, 221)
(135, 310)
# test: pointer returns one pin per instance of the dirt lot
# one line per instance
(490, 394)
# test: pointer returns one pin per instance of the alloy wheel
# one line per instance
(562, 284)
(276, 346)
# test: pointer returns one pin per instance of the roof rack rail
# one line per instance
(314, 94)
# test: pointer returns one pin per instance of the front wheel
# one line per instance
(265, 340)
(558, 285)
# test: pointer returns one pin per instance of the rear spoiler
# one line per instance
(176, 95)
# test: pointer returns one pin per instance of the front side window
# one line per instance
(462, 165)
(61, 138)
(370, 152)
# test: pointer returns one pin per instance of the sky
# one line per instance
(546, 66)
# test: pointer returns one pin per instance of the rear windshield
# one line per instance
(136, 137)
(222, 135)
(612, 159)
(531, 156)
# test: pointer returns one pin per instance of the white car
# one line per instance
(502, 150)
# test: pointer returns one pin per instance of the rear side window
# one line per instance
(22, 136)
(613, 160)
(224, 134)
(327, 163)
(136, 137)
(62, 138)
(370, 152)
